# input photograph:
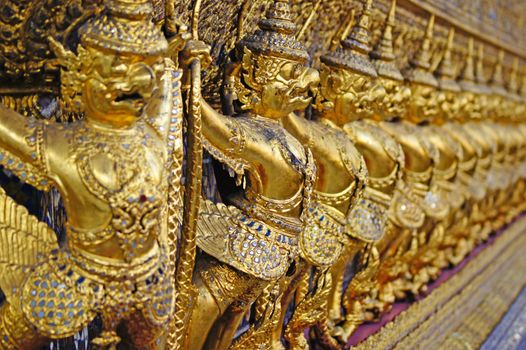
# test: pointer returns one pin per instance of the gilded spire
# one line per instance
(513, 81)
(467, 80)
(130, 9)
(468, 72)
(125, 27)
(354, 53)
(445, 72)
(480, 76)
(384, 49)
(383, 55)
(359, 39)
(419, 70)
(423, 57)
(479, 73)
(275, 36)
(497, 79)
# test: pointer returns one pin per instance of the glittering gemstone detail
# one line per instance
(259, 249)
(61, 301)
(406, 210)
(367, 220)
(321, 241)
(435, 203)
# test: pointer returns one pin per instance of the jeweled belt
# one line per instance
(445, 174)
(323, 239)
(102, 268)
(368, 219)
(382, 182)
(335, 198)
(418, 177)
(468, 164)
(291, 226)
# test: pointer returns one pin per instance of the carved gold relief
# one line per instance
(247, 174)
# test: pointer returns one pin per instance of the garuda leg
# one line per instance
(223, 293)
(15, 331)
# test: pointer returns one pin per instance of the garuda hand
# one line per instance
(195, 49)
(177, 42)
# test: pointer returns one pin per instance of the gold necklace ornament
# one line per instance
(135, 198)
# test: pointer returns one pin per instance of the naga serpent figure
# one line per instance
(251, 242)
(112, 170)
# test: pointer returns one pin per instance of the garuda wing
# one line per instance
(213, 225)
(244, 243)
(24, 241)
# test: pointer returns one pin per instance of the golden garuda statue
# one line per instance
(261, 174)
(113, 261)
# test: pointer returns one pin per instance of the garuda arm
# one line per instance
(23, 238)
(22, 148)
(226, 139)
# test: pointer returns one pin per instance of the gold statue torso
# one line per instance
(338, 162)
(445, 170)
(125, 204)
(272, 150)
(340, 178)
(259, 234)
(468, 164)
(416, 150)
(382, 153)
(115, 255)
